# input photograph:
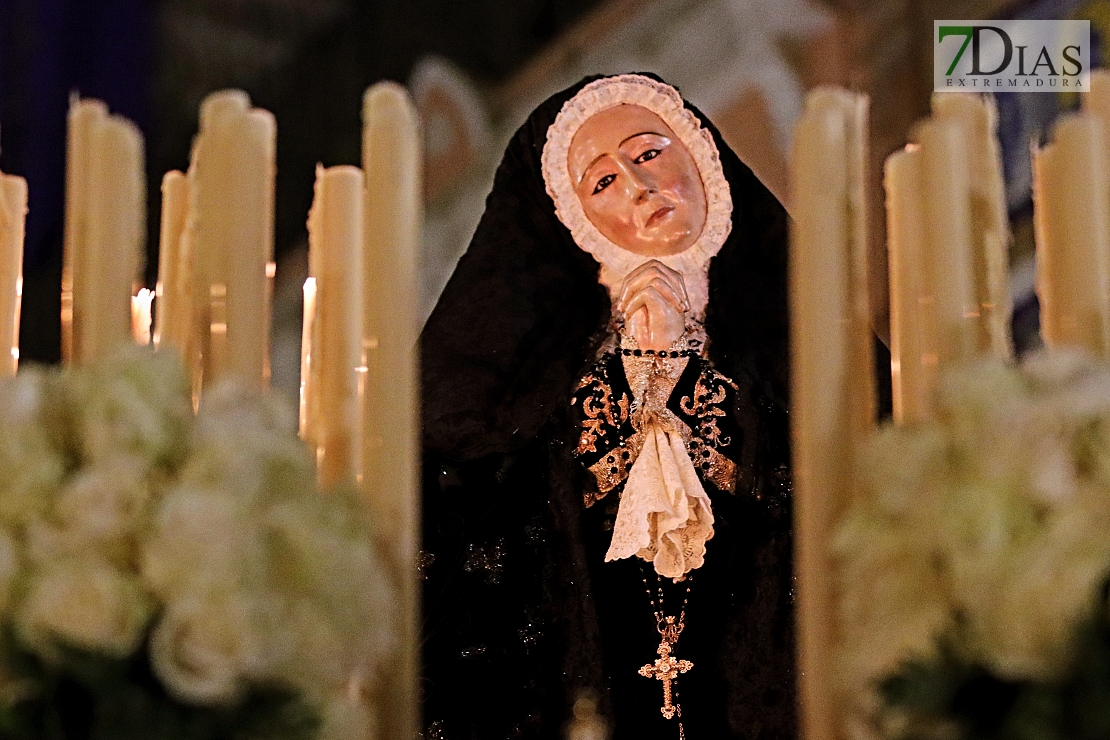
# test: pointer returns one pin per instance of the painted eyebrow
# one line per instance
(623, 142)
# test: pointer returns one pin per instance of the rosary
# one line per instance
(666, 667)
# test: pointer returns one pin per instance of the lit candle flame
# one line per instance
(307, 429)
(140, 316)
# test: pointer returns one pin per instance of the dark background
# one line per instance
(153, 61)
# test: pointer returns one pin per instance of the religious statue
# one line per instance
(606, 459)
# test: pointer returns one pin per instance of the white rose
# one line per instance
(324, 560)
(132, 400)
(346, 717)
(201, 538)
(891, 594)
(1051, 371)
(83, 603)
(244, 440)
(1044, 591)
(973, 397)
(96, 514)
(9, 568)
(204, 648)
(32, 467)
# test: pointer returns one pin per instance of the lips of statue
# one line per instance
(637, 182)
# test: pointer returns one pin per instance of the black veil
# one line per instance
(507, 594)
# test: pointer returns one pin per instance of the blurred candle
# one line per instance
(13, 212)
(82, 115)
(208, 231)
(1097, 101)
(173, 302)
(832, 375)
(105, 227)
(977, 116)
(230, 227)
(948, 256)
(912, 365)
(1071, 198)
(335, 234)
(390, 462)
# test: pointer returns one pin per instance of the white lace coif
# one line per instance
(665, 102)
(664, 515)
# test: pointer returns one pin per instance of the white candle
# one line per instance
(913, 366)
(106, 212)
(1071, 196)
(248, 281)
(230, 227)
(13, 211)
(335, 233)
(977, 116)
(117, 216)
(948, 257)
(1097, 101)
(390, 463)
(82, 115)
(174, 300)
(832, 375)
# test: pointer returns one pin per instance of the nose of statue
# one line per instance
(639, 185)
(642, 187)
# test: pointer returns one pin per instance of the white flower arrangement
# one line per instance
(197, 548)
(987, 527)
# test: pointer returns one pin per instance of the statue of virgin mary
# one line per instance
(606, 460)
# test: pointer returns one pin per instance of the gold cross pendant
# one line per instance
(666, 669)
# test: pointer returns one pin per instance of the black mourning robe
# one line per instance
(520, 611)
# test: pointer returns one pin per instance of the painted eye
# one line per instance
(604, 183)
(648, 155)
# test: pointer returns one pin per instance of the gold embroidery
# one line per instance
(652, 380)
(599, 411)
(709, 392)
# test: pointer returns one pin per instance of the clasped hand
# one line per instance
(654, 303)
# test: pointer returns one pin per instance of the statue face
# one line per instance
(637, 182)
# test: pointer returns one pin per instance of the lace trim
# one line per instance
(665, 102)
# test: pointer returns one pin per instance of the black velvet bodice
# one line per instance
(507, 624)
